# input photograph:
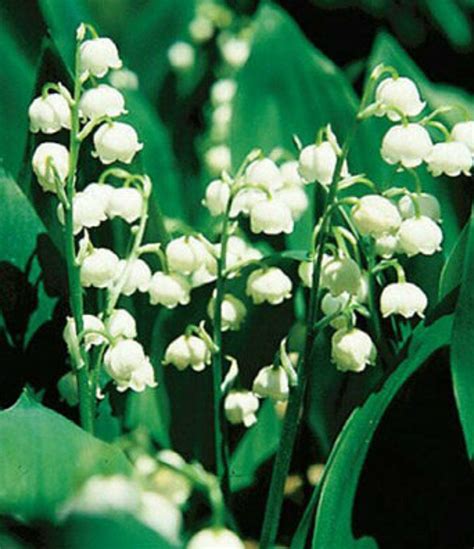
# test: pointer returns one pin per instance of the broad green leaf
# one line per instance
(344, 467)
(451, 18)
(45, 457)
(451, 275)
(462, 347)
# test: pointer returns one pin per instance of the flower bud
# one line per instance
(138, 277)
(218, 159)
(375, 215)
(400, 94)
(127, 364)
(450, 158)
(116, 141)
(318, 163)
(49, 114)
(295, 198)
(50, 162)
(181, 56)
(201, 29)
(124, 79)
(463, 132)
(187, 351)
(90, 322)
(403, 298)
(271, 217)
(101, 101)
(352, 349)
(419, 235)
(240, 407)
(121, 324)
(186, 254)
(272, 382)
(126, 203)
(223, 91)
(169, 290)
(408, 145)
(215, 538)
(428, 205)
(264, 173)
(268, 284)
(233, 312)
(386, 245)
(235, 52)
(68, 389)
(341, 274)
(99, 268)
(217, 197)
(97, 56)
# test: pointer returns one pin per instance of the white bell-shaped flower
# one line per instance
(121, 324)
(49, 114)
(90, 322)
(428, 205)
(97, 56)
(245, 200)
(127, 364)
(341, 274)
(408, 145)
(218, 158)
(295, 198)
(386, 245)
(269, 284)
(403, 298)
(125, 202)
(240, 407)
(187, 351)
(305, 270)
(124, 79)
(419, 235)
(50, 163)
(101, 101)
(318, 163)
(264, 173)
(201, 277)
(451, 158)
(186, 254)
(398, 94)
(235, 52)
(331, 305)
(99, 268)
(87, 211)
(352, 350)
(233, 312)
(290, 174)
(463, 132)
(169, 290)
(116, 141)
(375, 215)
(161, 515)
(101, 192)
(215, 538)
(181, 56)
(223, 91)
(271, 216)
(138, 276)
(217, 197)
(201, 29)
(272, 382)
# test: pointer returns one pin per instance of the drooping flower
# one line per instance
(126, 203)
(451, 158)
(352, 350)
(116, 141)
(97, 56)
(408, 145)
(99, 268)
(217, 197)
(49, 114)
(121, 324)
(341, 274)
(463, 132)
(240, 407)
(50, 163)
(272, 382)
(398, 94)
(233, 312)
(403, 298)
(318, 163)
(169, 290)
(419, 235)
(271, 216)
(186, 254)
(269, 284)
(138, 276)
(188, 350)
(264, 173)
(428, 205)
(375, 215)
(181, 56)
(101, 101)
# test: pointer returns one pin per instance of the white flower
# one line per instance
(240, 407)
(201, 277)
(138, 276)
(409, 145)
(161, 515)
(124, 79)
(116, 141)
(290, 174)
(264, 173)
(121, 324)
(293, 196)
(99, 268)
(90, 322)
(201, 29)
(233, 312)
(101, 193)
(419, 235)
(235, 52)
(50, 162)
(217, 197)
(386, 245)
(97, 56)
(186, 254)
(101, 101)
(223, 91)
(215, 538)
(268, 284)
(221, 117)
(463, 132)
(375, 215)
(68, 389)
(403, 298)
(218, 158)
(87, 211)
(331, 305)
(271, 216)
(318, 162)
(169, 290)
(125, 202)
(129, 367)
(341, 274)
(400, 94)
(244, 200)
(305, 272)
(451, 159)
(352, 349)
(171, 484)
(187, 351)
(181, 56)
(272, 382)
(427, 204)
(49, 114)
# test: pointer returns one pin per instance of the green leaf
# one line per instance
(45, 457)
(462, 347)
(333, 526)
(451, 275)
